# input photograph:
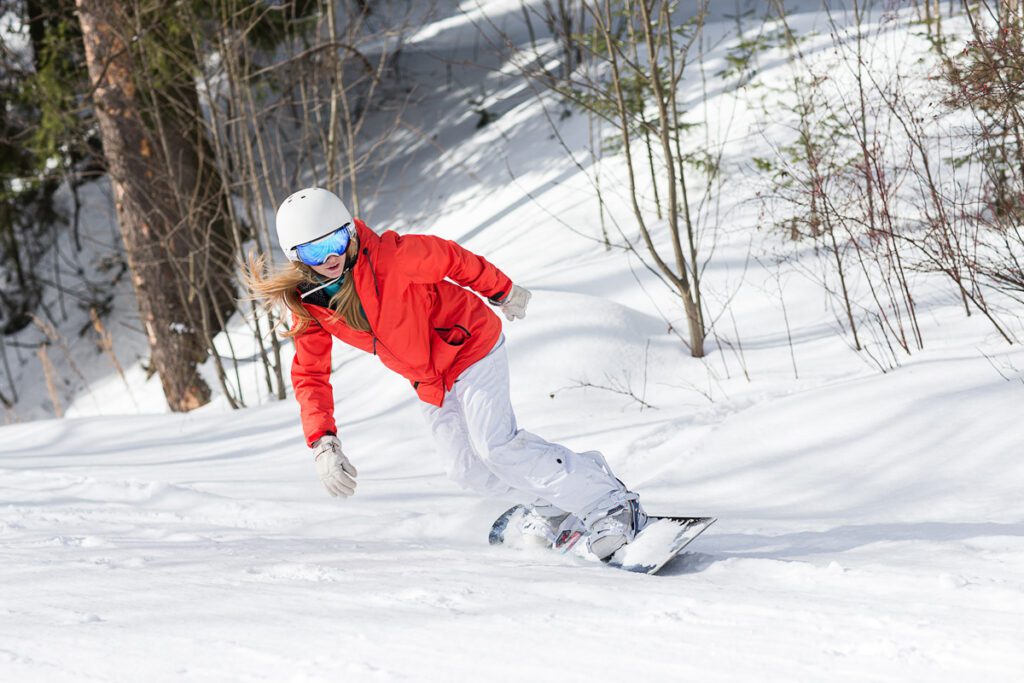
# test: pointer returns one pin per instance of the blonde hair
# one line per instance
(280, 289)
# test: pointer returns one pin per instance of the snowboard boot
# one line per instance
(543, 519)
(611, 527)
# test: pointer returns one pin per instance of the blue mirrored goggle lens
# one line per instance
(316, 252)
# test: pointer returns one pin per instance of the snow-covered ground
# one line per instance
(871, 525)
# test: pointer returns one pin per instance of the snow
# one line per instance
(870, 524)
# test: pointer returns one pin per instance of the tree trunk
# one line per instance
(167, 199)
(1009, 15)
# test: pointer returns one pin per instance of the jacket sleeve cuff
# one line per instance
(501, 295)
(315, 436)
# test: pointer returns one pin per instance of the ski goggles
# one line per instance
(315, 252)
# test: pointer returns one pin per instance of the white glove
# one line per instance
(336, 472)
(514, 305)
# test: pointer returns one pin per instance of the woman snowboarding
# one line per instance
(407, 300)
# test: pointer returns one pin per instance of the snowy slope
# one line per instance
(871, 525)
(203, 547)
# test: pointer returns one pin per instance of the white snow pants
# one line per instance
(483, 450)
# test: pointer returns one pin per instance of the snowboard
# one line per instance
(661, 539)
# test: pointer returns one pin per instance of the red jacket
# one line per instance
(422, 326)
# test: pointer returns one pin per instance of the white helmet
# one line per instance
(307, 215)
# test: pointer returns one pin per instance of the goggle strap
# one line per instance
(347, 227)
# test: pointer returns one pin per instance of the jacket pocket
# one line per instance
(453, 336)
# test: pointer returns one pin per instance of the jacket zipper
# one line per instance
(376, 288)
